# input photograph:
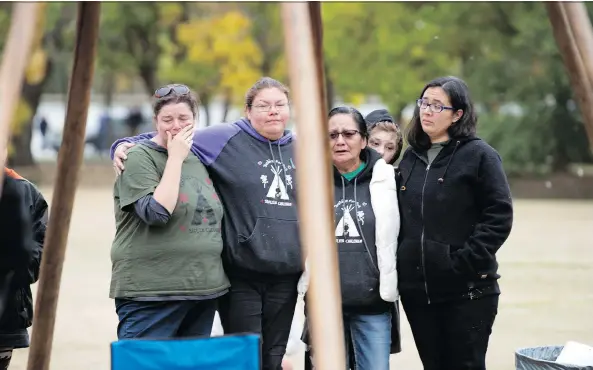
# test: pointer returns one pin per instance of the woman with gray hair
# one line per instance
(366, 230)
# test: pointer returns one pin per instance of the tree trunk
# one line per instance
(560, 159)
(181, 51)
(397, 114)
(31, 94)
(141, 39)
(568, 133)
(108, 88)
(329, 88)
(206, 105)
(227, 106)
(148, 76)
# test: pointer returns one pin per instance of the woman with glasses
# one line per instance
(366, 230)
(251, 163)
(167, 271)
(456, 213)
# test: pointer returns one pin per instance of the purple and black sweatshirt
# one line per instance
(255, 178)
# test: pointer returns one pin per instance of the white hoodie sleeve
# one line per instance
(303, 284)
(384, 201)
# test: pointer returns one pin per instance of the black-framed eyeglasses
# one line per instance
(346, 134)
(264, 108)
(161, 92)
(434, 107)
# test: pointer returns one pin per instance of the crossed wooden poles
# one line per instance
(303, 43)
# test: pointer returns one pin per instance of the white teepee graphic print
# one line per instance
(277, 189)
(347, 227)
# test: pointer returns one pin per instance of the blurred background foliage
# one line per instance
(374, 51)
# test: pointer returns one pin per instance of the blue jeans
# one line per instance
(370, 336)
(164, 319)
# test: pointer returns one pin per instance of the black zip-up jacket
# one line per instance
(23, 222)
(455, 215)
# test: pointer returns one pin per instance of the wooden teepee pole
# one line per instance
(574, 44)
(302, 31)
(69, 161)
(12, 70)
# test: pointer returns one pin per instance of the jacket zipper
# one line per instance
(422, 235)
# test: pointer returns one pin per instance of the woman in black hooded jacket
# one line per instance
(456, 212)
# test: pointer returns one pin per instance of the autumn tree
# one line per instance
(129, 40)
(505, 52)
(268, 34)
(54, 35)
(221, 57)
(514, 69)
(384, 49)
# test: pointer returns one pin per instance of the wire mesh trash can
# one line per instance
(232, 352)
(542, 358)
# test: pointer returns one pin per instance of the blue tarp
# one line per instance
(233, 352)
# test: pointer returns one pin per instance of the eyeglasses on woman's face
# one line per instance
(434, 107)
(346, 134)
(265, 108)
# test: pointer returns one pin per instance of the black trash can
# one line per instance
(542, 358)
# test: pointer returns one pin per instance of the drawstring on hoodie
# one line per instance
(366, 246)
(278, 191)
(343, 202)
(282, 161)
(442, 178)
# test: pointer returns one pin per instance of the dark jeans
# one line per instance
(452, 335)
(164, 319)
(261, 307)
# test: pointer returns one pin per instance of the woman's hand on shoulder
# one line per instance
(119, 156)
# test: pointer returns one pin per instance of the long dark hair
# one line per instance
(458, 93)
